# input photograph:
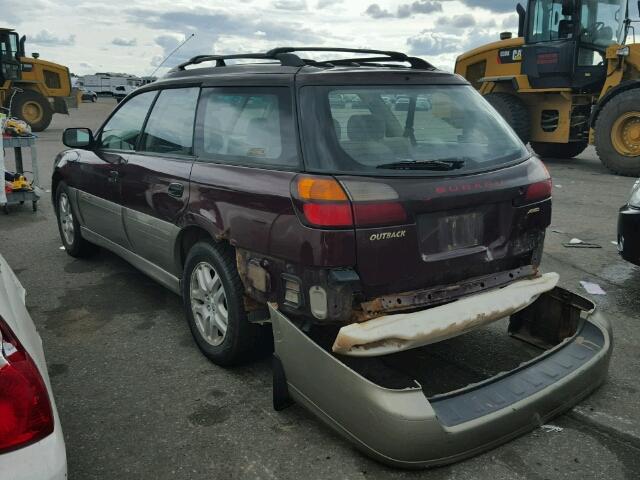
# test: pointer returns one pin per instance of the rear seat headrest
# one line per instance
(361, 128)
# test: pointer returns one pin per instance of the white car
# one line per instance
(31, 442)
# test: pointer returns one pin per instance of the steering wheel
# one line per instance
(592, 32)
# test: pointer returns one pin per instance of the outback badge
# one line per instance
(387, 235)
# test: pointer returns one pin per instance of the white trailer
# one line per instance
(108, 83)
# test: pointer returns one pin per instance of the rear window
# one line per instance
(400, 130)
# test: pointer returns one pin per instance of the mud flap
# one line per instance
(404, 427)
(60, 106)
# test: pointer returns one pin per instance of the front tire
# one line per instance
(558, 150)
(514, 111)
(213, 297)
(617, 135)
(33, 108)
(68, 225)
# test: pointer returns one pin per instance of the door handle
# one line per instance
(176, 189)
(113, 176)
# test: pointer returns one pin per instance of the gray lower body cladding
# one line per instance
(405, 428)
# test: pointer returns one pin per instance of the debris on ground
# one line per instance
(551, 428)
(577, 243)
(592, 288)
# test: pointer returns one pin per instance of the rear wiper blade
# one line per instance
(444, 164)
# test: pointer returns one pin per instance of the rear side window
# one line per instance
(170, 126)
(252, 126)
(122, 130)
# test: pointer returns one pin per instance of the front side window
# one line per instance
(248, 125)
(170, 125)
(122, 130)
(404, 130)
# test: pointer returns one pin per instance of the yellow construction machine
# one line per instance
(31, 89)
(568, 80)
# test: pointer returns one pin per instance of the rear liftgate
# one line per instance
(387, 408)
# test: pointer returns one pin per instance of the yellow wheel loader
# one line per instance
(568, 80)
(31, 89)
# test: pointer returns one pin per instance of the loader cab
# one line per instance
(566, 41)
(9, 56)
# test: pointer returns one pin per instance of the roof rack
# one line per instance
(287, 58)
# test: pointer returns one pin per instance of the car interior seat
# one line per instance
(366, 134)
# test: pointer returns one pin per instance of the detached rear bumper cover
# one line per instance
(404, 428)
(394, 333)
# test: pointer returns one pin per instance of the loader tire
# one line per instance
(514, 111)
(558, 150)
(617, 135)
(33, 108)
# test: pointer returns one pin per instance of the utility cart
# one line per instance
(31, 193)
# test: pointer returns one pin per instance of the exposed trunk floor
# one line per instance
(440, 367)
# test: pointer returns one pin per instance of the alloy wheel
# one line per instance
(209, 303)
(66, 218)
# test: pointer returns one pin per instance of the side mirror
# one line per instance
(568, 8)
(638, 7)
(78, 138)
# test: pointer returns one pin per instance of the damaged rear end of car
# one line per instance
(445, 212)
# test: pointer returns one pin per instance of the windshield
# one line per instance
(402, 130)
(601, 22)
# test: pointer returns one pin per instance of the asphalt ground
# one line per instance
(138, 400)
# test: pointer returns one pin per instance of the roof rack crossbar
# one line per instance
(287, 57)
(220, 59)
(413, 61)
(398, 56)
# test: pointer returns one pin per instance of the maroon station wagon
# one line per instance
(338, 190)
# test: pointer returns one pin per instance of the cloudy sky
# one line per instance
(134, 36)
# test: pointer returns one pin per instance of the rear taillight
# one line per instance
(325, 202)
(383, 213)
(540, 183)
(538, 191)
(25, 410)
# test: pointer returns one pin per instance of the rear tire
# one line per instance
(617, 135)
(68, 225)
(33, 108)
(558, 150)
(213, 297)
(514, 111)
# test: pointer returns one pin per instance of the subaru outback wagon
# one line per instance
(298, 182)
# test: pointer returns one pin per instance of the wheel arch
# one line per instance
(612, 92)
(189, 236)
(56, 178)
